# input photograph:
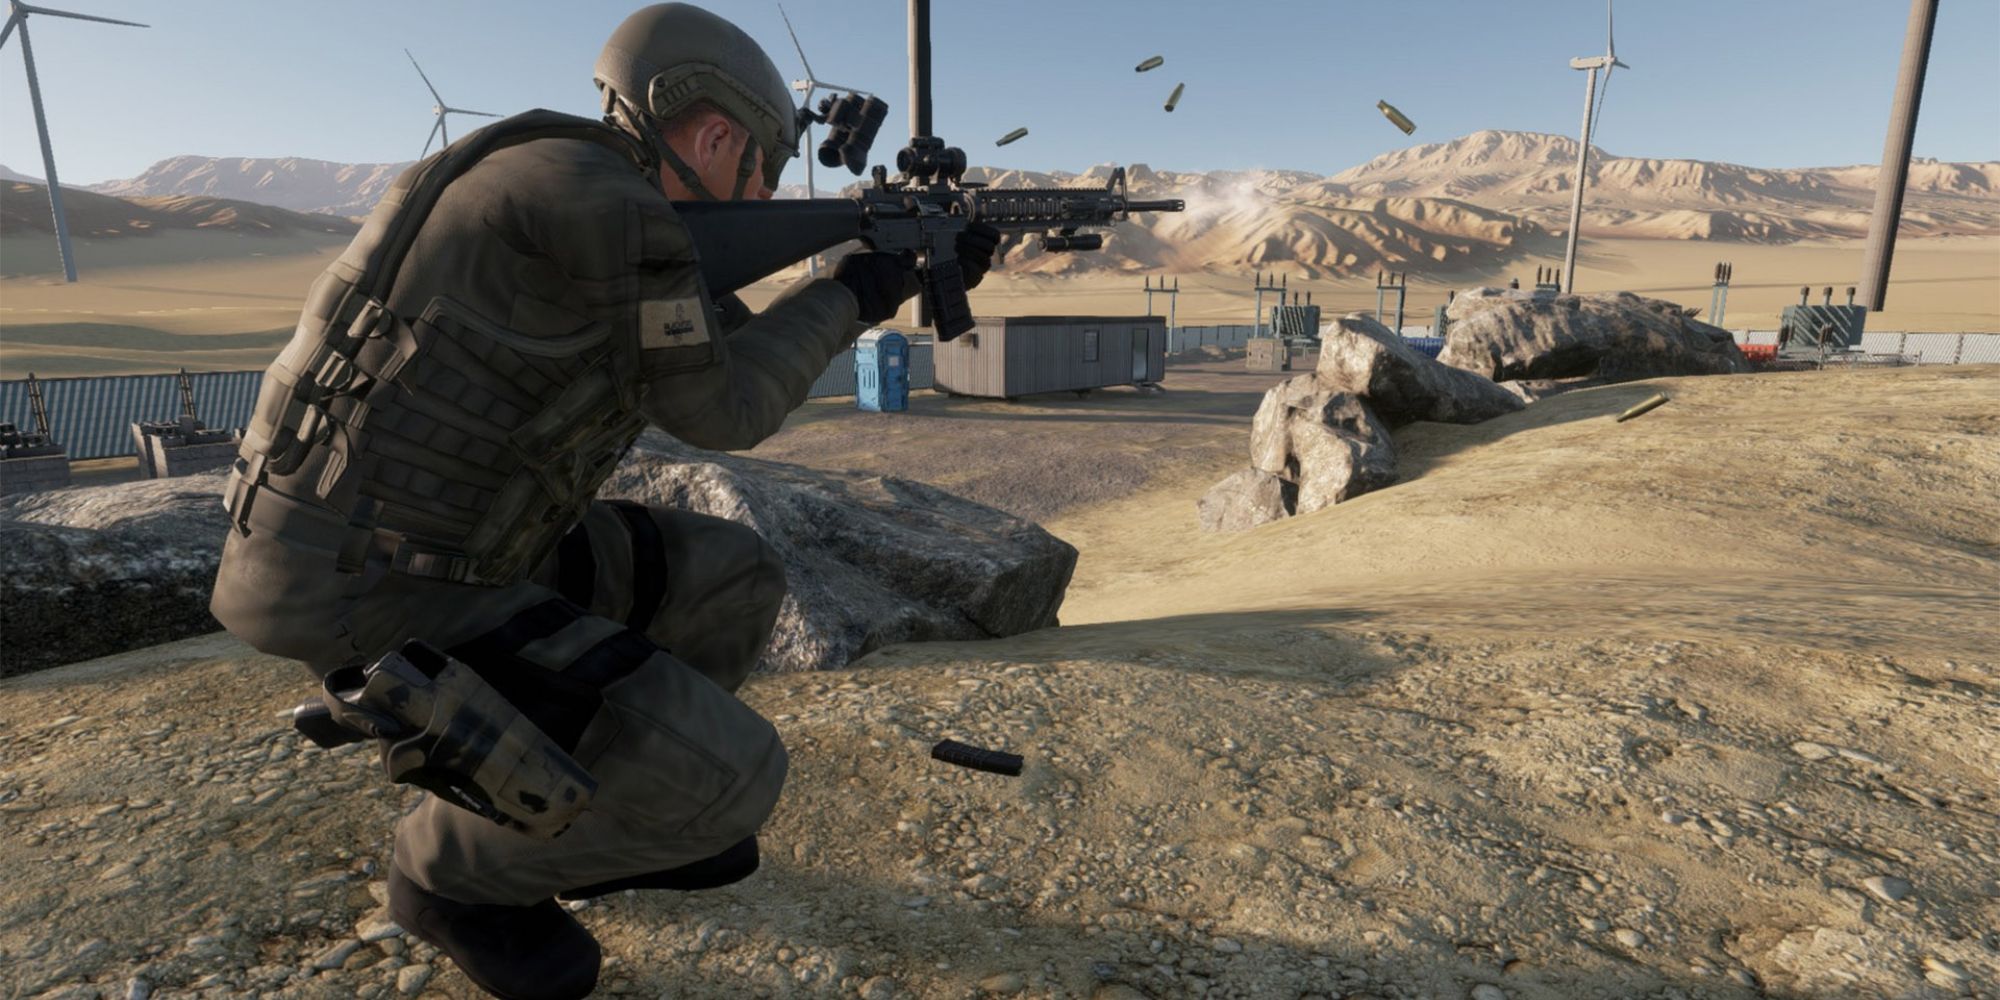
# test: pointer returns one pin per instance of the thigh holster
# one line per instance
(446, 730)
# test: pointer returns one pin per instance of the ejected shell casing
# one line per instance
(1153, 63)
(1175, 97)
(1011, 136)
(1651, 404)
(1396, 117)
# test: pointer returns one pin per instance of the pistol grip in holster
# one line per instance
(444, 729)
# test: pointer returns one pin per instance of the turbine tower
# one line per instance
(440, 109)
(1591, 105)
(806, 88)
(17, 17)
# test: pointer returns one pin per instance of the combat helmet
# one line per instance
(666, 57)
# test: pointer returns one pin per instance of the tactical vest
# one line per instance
(455, 448)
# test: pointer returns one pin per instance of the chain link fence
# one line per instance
(92, 417)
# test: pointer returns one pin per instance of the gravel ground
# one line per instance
(1531, 783)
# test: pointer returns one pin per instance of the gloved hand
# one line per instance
(881, 282)
(975, 246)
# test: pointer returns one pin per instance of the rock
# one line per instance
(1330, 444)
(1488, 991)
(1245, 500)
(1949, 975)
(871, 560)
(1004, 982)
(1813, 751)
(336, 956)
(95, 570)
(1116, 991)
(410, 979)
(1360, 356)
(1618, 337)
(1629, 937)
(1228, 946)
(1887, 887)
(878, 988)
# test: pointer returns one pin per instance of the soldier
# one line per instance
(424, 456)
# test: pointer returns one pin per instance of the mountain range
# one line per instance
(1439, 206)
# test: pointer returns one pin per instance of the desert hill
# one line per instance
(1698, 705)
(302, 185)
(1475, 202)
(1531, 175)
(24, 211)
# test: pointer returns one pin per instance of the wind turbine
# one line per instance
(441, 109)
(806, 87)
(1590, 107)
(18, 18)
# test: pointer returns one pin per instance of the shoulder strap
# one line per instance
(420, 187)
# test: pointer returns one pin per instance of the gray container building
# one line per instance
(1011, 356)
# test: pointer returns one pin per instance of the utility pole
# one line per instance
(1896, 148)
(1172, 294)
(920, 106)
(1264, 285)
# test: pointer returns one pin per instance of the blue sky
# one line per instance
(1287, 83)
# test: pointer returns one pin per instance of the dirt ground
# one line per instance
(1706, 704)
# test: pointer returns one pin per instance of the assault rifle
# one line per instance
(921, 212)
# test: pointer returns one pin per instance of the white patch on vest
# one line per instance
(668, 323)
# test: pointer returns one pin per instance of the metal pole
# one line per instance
(1576, 196)
(48, 156)
(1895, 155)
(812, 262)
(920, 104)
(1173, 300)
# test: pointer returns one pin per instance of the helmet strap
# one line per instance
(631, 119)
(745, 167)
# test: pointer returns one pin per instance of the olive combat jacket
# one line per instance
(549, 306)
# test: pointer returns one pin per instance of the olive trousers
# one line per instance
(626, 645)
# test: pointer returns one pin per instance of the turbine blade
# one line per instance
(81, 17)
(795, 43)
(427, 80)
(1609, 49)
(462, 111)
(12, 20)
(427, 139)
(835, 86)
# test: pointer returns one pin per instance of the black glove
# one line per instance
(976, 243)
(881, 282)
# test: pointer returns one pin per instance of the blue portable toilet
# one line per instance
(882, 371)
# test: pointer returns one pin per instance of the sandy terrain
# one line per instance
(217, 301)
(1702, 705)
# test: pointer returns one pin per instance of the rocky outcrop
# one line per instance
(871, 560)
(97, 570)
(1245, 500)
(1506, 334)
(1361, 356)
(1329, 444)
(1325, 436)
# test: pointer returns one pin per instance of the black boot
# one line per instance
(732, 865)
(534, 952)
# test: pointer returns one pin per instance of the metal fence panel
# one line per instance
(92, 417)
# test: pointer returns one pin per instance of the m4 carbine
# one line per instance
(921, 213)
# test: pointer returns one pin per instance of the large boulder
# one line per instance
(1245, 500)
(1361, 356)
(91, 571)
(1505, 334)
(1327, 446)
(871, 560)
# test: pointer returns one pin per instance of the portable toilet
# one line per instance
(882, 371)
